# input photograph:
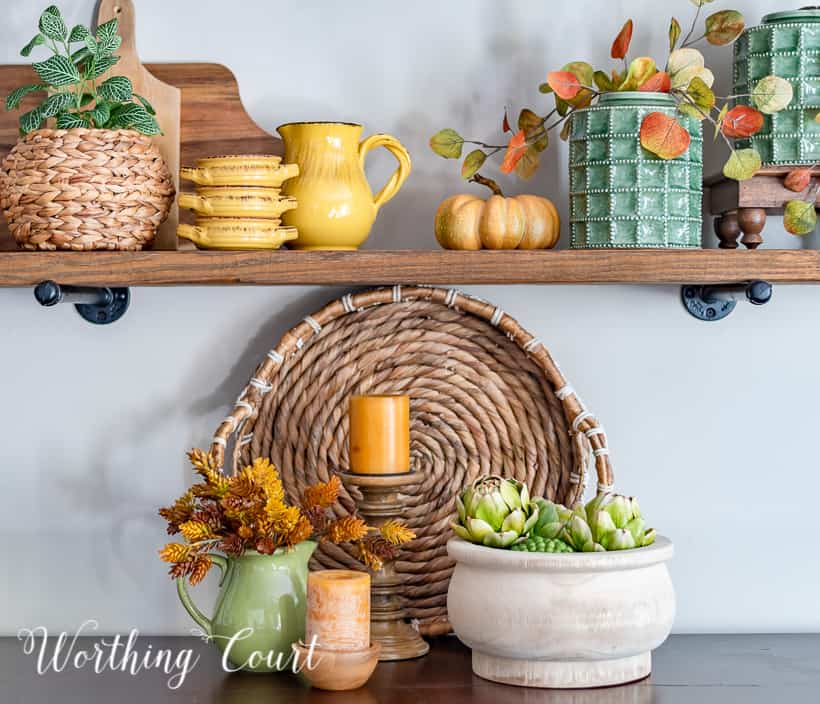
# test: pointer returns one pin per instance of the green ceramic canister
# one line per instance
(622, 196)
(785, 44)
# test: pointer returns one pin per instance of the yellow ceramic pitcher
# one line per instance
(336, 206)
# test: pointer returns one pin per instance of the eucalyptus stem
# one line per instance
(483, 145)
(692, 28)
(706, 115)
(693, 41)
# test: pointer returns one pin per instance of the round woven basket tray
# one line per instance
(486, 397)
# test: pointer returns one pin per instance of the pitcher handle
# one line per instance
(399, 176)
(182, 589)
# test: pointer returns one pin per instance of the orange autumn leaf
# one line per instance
(798, 180)
(515, 151)
(658, 83)
(742, 121)
(621, 44)
(565, 84)
(663, 135)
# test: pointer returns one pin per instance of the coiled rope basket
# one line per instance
(486, 397)
(85, 189)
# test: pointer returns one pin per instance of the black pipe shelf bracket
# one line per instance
(712, 303)
(97, 305)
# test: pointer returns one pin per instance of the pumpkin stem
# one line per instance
(492, 185)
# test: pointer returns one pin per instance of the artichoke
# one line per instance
(494, 511)
(608, 522)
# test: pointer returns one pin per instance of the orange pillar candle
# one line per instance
(338, 610)
(379, 434)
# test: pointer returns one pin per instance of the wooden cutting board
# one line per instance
(165, 98)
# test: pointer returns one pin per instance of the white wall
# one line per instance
(711, 425)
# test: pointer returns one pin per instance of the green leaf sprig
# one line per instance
(78, 91)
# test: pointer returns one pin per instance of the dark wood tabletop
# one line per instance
(687, 669)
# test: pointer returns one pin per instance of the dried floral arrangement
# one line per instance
(684, 77)
(248, 511)
(72, 80)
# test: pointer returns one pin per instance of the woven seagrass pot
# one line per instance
(786, 44)
(622, 196)
(486, 397)
(85, 189)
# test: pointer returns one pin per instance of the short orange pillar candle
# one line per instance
(379, 434)
(338, 610)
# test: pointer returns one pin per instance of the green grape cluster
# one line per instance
(536, 543)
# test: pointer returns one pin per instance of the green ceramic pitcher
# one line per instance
(263, 593)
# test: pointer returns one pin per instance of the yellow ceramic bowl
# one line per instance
(240, 170)
(232, 202)
(236, 233)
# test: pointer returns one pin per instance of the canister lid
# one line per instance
(804, 14)
(633, 98)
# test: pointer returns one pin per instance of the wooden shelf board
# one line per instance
(368, 268)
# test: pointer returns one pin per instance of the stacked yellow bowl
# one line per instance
(238, 202)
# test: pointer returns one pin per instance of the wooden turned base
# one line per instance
(727, 230)
(748, 222)
(398, 639)
(381, 501)
(751, 221)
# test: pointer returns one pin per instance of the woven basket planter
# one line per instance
(486, 397)
(622, 196)
(786, 44)
(85, 189)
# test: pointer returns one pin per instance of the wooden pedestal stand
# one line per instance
(741, 207)
(381, 501)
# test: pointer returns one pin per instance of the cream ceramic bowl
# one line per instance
(236, 233)
(566, 620)
(237, 202)
(240, 170)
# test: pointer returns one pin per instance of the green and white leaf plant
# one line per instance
(76, 82)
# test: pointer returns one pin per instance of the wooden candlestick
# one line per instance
(381, 501)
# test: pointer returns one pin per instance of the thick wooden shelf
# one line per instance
(368, 268)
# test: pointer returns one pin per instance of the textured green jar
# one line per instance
(621, 196)
(266, 593)
(786, 44)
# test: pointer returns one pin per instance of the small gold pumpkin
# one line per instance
(520, 222)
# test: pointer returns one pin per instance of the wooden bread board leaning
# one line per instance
(166, 100)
